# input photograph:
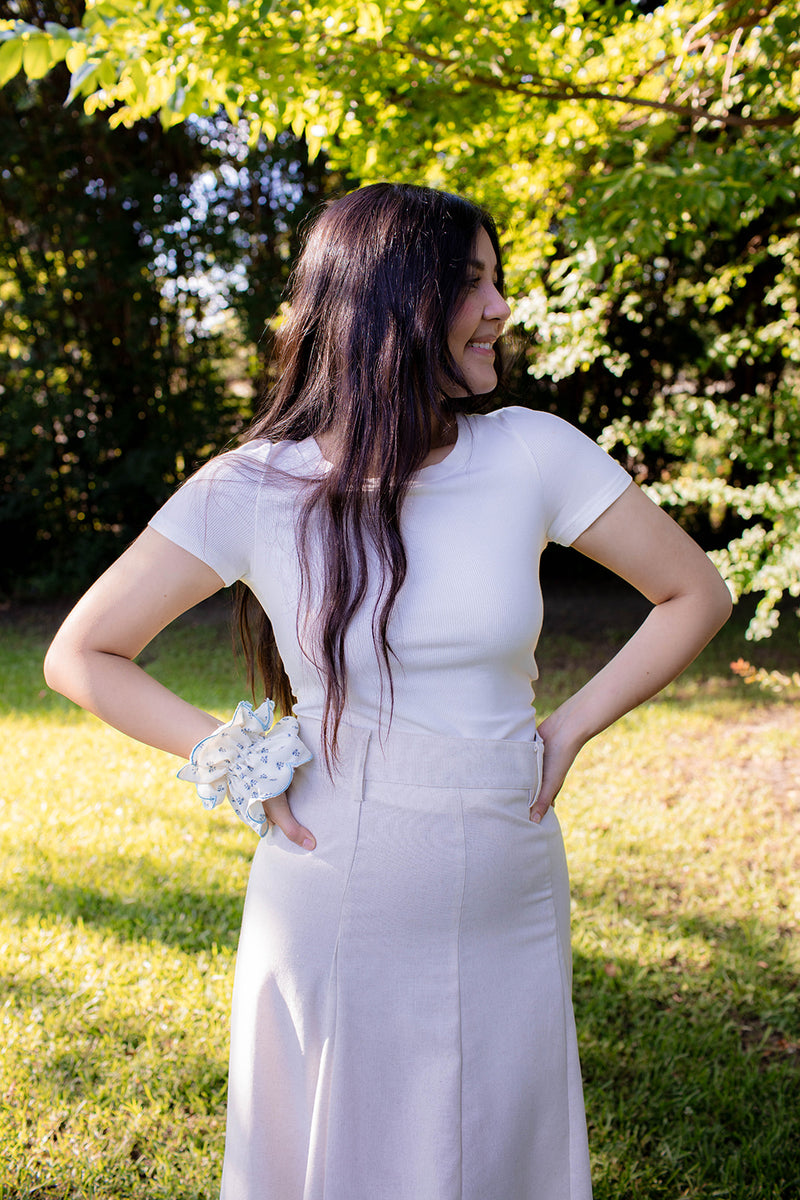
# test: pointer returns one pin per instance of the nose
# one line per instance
(496, 308)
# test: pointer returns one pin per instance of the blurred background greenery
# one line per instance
(640, 158)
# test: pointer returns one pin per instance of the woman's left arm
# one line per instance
(646, 548)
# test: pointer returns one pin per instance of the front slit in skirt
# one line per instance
(402, 1023)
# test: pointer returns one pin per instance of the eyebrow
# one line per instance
(480, 265)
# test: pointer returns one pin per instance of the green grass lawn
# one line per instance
(121, 899)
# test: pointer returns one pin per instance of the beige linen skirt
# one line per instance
(402, 1023)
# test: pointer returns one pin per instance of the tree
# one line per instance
(104, 400)
(139, 269)
(545, 110)
(643, 161)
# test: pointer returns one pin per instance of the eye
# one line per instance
(472, 283)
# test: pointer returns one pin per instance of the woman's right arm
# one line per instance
(91, 658)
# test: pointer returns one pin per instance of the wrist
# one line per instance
(564, 727)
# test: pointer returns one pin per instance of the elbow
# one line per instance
(727, 606)
(56, 669)
(720, 603)
(50, 669)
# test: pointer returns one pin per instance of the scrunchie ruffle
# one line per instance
(247, 760)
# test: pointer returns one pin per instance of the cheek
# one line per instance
(463, 327)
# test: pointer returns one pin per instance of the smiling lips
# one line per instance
(482, 347)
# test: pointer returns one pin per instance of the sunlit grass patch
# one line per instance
(121, 902)
(115, 1066)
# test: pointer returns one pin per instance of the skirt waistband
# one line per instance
(367, 755)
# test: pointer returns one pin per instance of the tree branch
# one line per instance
(566, 90)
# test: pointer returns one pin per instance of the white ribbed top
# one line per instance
(467, 620)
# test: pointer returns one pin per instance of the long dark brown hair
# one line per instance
(363, 357)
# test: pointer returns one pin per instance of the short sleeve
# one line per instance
(579, 480)
(213, 515)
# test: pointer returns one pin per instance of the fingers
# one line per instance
(539, 809)
(554, 772)
(552, 779)
(546, 794)
(559, 751)
(278, 813)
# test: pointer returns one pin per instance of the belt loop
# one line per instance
(538, 745)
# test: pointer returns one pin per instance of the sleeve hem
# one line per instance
(167, 530)
(581, 521)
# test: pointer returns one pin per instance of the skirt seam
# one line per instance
(460, 1011)
(333, 984)
(566, 1010)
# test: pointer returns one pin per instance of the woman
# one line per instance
(402, 1022)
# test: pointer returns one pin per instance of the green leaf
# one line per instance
(38, 57)
(76, 56)
(10, 60)
(57, 32)
(82, 78)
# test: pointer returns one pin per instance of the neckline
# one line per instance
(455, 457)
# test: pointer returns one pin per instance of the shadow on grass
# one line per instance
(115, 1039)
(139, 904)
(692, 1074)
(109, 1104)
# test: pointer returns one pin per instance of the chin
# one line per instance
(482, 387)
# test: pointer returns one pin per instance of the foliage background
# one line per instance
(641, 158)
(137, 270)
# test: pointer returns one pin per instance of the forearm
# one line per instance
(669, 639)
(123, 695)
(92, 657)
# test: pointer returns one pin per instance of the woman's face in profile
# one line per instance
(478, 321)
